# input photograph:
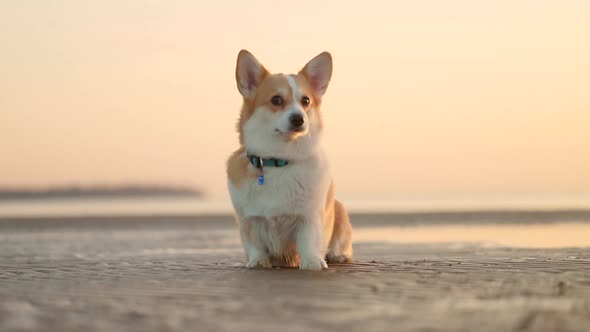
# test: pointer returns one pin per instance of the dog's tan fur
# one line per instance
(336, 226)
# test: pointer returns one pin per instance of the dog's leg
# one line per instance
(340, 249)
(255, 249)
(310, 243)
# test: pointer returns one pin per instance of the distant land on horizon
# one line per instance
(98, 192)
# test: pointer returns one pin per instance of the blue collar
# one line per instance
(260, 162)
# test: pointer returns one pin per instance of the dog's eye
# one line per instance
(305, 101)
(276, 100)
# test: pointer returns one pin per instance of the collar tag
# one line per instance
(261, 171)
(260, 179)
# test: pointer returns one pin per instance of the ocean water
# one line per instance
(377, 220)
(119, 206)
(221, 205)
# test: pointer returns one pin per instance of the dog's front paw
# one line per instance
(259, 262)
(339, 259)
(313, 264)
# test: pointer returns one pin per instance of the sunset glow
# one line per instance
(428, 98)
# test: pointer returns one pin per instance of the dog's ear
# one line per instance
(249, 73)
(318, 72)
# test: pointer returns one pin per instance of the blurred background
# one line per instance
(466, 104)
(458, 132)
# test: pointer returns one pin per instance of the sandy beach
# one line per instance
(454, 271)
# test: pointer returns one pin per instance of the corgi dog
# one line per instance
(279, 179)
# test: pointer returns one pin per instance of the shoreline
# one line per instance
(418, 217)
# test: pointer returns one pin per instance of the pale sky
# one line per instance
(447, 98)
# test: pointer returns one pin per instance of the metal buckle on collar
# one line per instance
(260, 163)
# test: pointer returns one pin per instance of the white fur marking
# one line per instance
(294, 88)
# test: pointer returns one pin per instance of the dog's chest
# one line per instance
(291, 190)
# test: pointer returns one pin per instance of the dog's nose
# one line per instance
(296, 120)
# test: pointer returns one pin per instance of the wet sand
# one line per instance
(412, 272)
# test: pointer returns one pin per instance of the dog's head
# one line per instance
(281, 113)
